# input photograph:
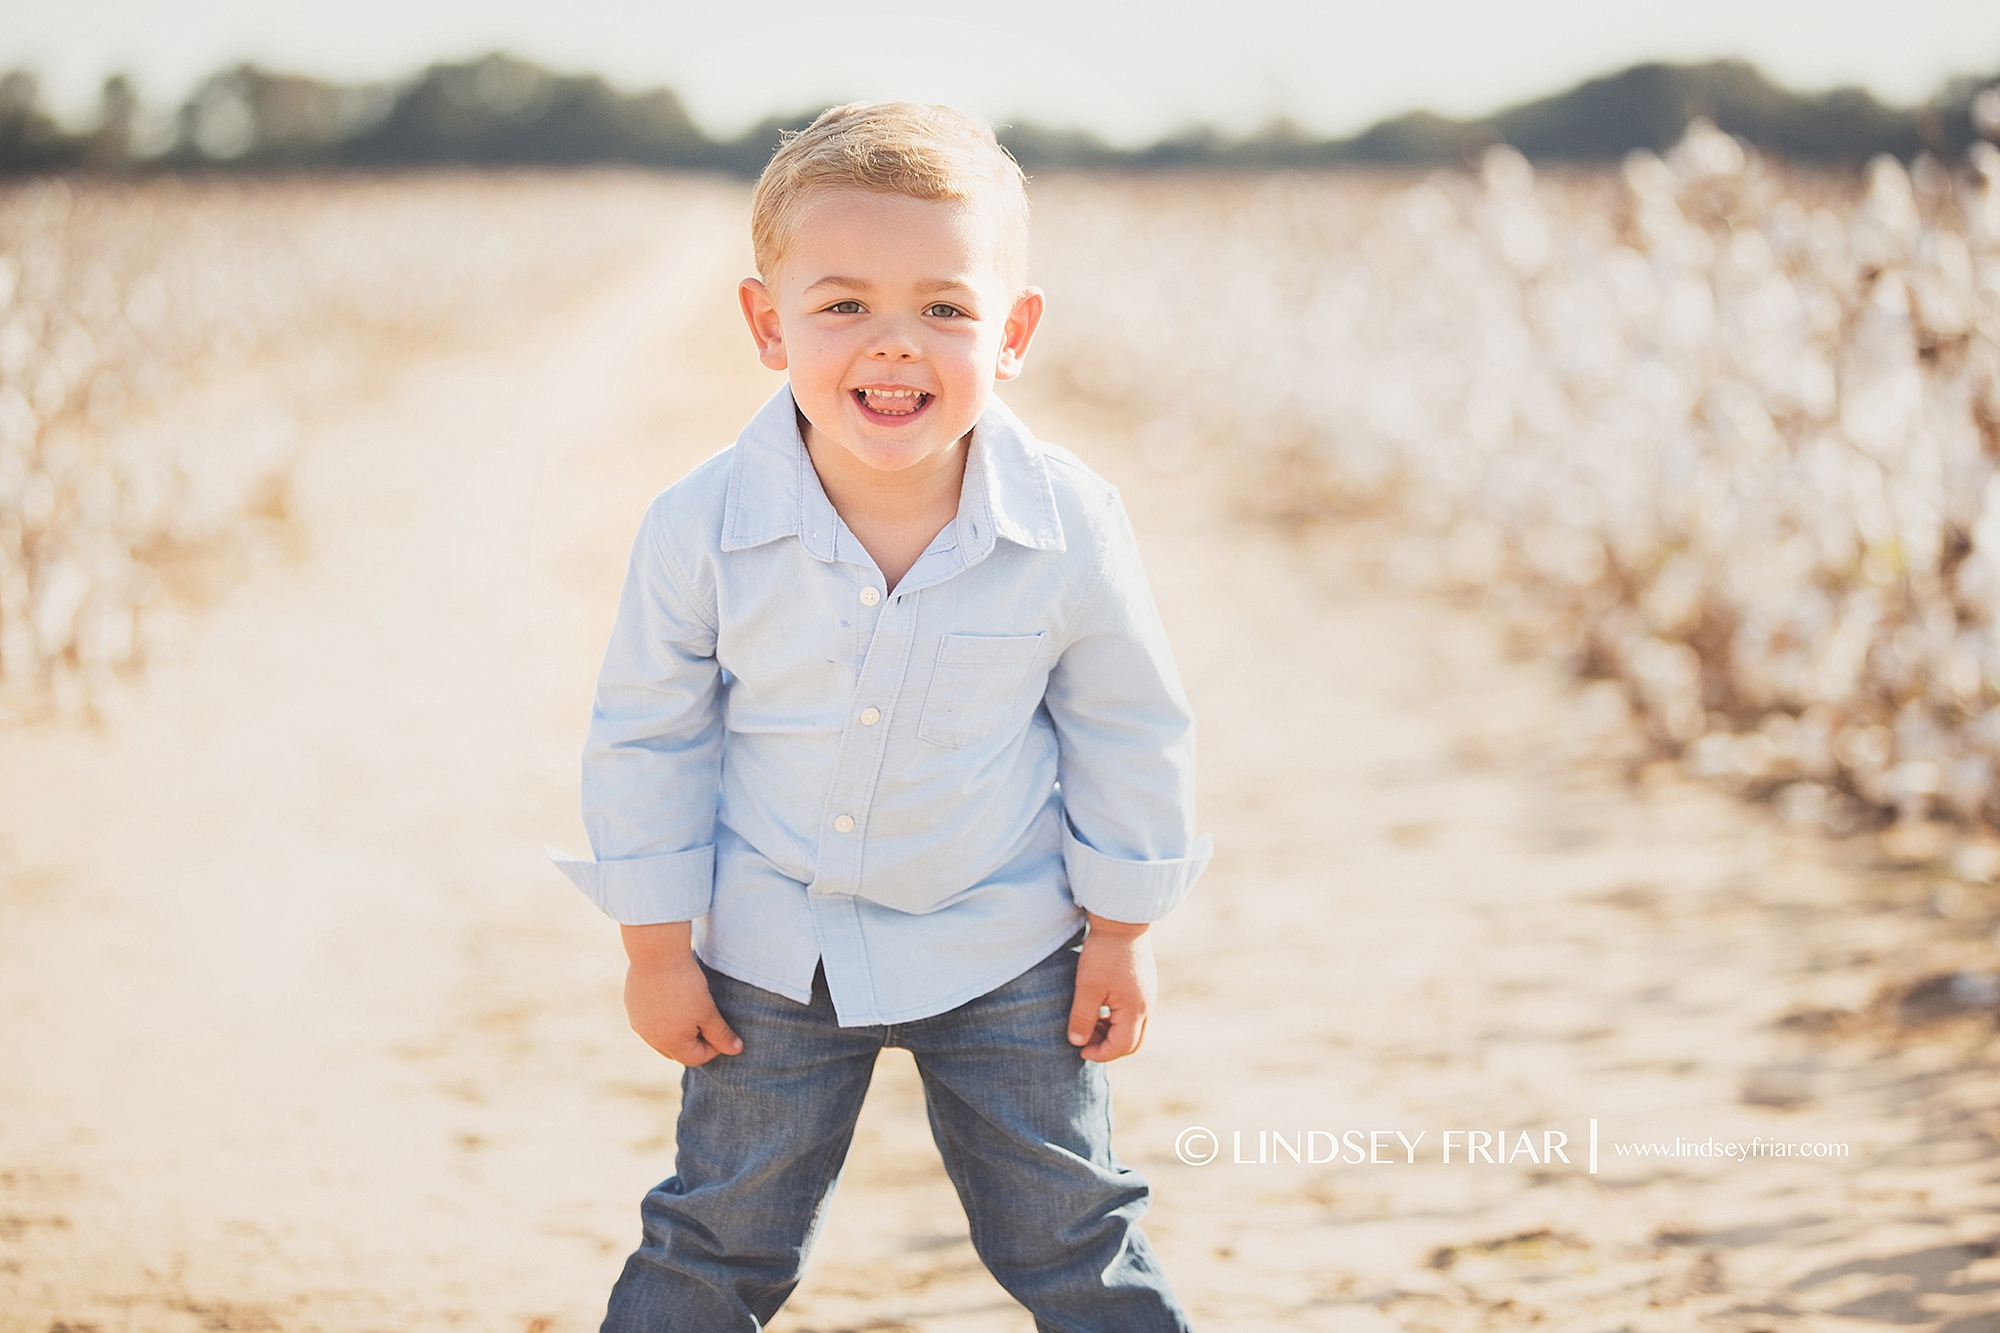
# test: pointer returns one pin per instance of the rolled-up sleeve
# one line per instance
(652, 761)
(1126, 738)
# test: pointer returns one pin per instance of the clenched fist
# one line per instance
(1115, 983)
(667, 999)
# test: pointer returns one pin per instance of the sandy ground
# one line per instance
(302, 1033)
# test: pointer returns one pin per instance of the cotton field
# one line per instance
(1728, 431)
(1713, 429)
(158, 342)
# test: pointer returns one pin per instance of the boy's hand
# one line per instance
(667, 999)
(1115, 971)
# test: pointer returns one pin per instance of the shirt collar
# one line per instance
(773, 491)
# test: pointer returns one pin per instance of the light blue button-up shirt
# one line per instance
(922, 789)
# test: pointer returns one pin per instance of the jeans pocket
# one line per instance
(976, 686)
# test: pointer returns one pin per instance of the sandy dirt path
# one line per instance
(301, 1032)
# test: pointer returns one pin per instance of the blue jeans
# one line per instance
(1023, 1123)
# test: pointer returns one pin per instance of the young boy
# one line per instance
(886, 720)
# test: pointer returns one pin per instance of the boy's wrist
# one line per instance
(658, 945)
(1124, 930)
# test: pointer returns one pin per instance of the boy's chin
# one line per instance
(896, 455)
(892, 449)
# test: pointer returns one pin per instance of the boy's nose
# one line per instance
(894, 344)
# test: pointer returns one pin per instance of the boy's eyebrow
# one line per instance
(862, 284)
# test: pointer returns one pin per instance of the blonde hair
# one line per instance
(924, 152)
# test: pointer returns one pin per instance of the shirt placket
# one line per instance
(864, 740)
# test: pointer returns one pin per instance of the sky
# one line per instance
(1126, 70)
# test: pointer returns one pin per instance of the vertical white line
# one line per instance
(1593, 1147)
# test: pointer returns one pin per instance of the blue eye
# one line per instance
(943, 311)
(844, 308)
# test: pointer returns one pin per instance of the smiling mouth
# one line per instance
(891, 402)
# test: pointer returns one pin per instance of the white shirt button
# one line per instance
(870, 716)
(843, 823)
(870, 596)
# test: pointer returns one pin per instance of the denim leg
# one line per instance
(1024, 1125)
(760, 1143)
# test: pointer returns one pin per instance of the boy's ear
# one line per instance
(1022, 321)
(760, 312)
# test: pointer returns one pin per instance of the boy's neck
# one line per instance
(894, 515)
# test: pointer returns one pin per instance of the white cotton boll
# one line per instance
(1919, 520)
(1747, 257)
(1929, 181)
(1717, 508)
(1756, 666)
(1941, 284)
(18, 423)
(1782, 738)
(1506, 172)
(1911, 787)
(1918, 735)
(59, 593)
(1983, 732)
(1960, 444)
(96, 494)
(147, 303)
(1821, 302)
(1650, 179)
(1634, 288)
(1714, 755)
(1803, 803)
(1668, 676)
(1705, 151)
(1884, 231)
(1986, 112)
(74, 349)
(1881, 388)
(1814, 390)
(1979, 573)
(1965, 790)
(1756, 758)
(1511, 217)
(37, 502)
(105, 634)
(1565, 554)
(1687, 312)
(18, 343)
(1814, 755)
(1864, 748)
(1979, 200)
(1963, 675)
(1736, 411)
(1518, 233)
(50, 392)
(1841, 655)
(18, 658)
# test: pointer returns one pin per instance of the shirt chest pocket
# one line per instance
(975, 686)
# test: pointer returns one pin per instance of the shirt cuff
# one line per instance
(648, 890)
(1136, 891)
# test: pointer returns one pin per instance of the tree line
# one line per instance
(499, 110)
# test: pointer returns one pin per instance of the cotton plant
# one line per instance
(153, 343)
(1730, 426)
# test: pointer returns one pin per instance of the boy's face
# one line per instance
(894, 317)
